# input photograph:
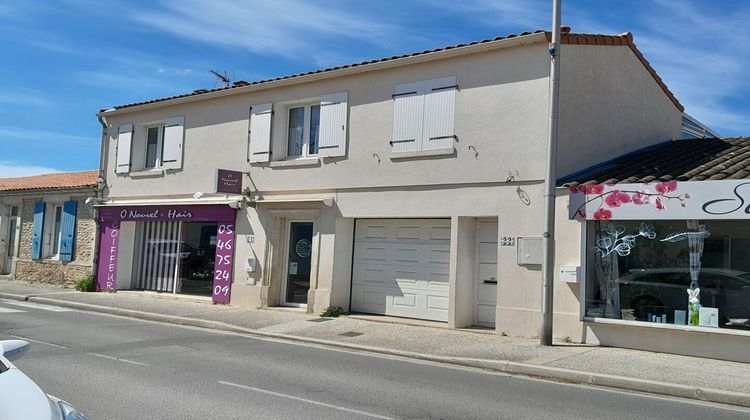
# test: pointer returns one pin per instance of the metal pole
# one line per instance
(548, 261)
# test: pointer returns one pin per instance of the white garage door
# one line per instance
(401, 267)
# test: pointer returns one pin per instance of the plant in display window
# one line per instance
(611, 244)
(658, 195)
(695, 245)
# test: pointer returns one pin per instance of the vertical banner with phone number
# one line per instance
(224, 262)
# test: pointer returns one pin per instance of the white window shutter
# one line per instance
(260, 133)
(439, 110)
(333, 116)
(174, 134)
(408, 109)
(124, 143)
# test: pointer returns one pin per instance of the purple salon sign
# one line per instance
(109, 239)
(200, 213)
(229, 182)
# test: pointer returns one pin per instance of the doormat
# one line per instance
(351, 334)
(320, 319)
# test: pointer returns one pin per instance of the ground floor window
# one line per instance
(684, 272)
(177, 257)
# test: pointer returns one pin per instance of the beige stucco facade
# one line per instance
(610, 105)
(18, 263)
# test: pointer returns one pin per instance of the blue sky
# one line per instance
(64, 60)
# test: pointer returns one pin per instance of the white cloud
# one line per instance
(23, 98)
(528, 14)
(10, 133)
(13, 170)
(52, 46)
(287, 28)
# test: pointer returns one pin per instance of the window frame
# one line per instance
(307, 124)
(50, 229)
(158, 164)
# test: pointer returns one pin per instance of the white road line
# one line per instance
(36, 306)
(132, 362)
(47, 343)
(292, 397)
(9, 310)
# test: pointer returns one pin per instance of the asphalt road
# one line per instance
(118, 368)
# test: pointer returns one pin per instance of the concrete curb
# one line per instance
(508, 367)
(14, 296)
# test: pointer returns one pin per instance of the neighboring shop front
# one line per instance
(666, 265)
(186, 249)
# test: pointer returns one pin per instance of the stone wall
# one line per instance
(50, 271)
(83, 252)
(54, 271)
(27, 228)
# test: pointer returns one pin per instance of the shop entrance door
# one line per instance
(299, 261)
(10, 253)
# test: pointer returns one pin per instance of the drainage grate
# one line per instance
(320, 319)
(351, 334)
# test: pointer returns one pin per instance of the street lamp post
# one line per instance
(548, 261)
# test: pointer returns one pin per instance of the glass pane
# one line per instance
(12, 236)
(296, 131)
(56, 233)
(152, 143)
(197, 254)
(640, 277)
(314, 129)
(298, 262)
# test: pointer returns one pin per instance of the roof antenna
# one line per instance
(223, 78)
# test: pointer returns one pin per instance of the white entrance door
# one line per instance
(401, 267)
(485, 290)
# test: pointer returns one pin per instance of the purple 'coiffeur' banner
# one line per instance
(223, 262)
(109, 242)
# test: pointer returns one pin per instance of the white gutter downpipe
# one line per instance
(548, 240)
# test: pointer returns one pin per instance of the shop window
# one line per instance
(641, 271)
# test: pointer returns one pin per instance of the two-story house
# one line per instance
(408, 186)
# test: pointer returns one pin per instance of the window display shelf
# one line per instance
(664, 326)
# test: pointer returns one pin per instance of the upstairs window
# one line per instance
(303, 131)
(300, 129)
(154, 147)
(149, 146)
(423, 114)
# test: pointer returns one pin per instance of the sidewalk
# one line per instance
(704, 379)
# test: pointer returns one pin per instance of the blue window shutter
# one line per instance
(68, 230)
(37, 233)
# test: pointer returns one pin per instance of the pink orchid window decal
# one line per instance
(607, 202)
(602, 214)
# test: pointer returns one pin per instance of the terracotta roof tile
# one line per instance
(681, 160)
(56, 181)
(570, 38)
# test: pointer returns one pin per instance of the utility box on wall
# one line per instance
(570, 274)
(529, 251)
